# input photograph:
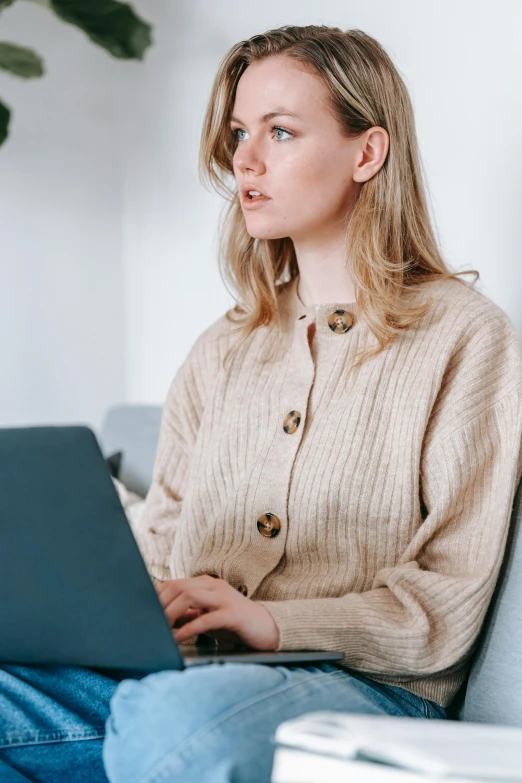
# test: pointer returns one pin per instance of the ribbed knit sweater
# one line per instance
(390, 486)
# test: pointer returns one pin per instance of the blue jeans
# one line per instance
(210, 723)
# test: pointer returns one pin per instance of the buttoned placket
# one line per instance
(333, 322)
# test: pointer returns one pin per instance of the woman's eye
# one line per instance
(236, 133)
(282, 130)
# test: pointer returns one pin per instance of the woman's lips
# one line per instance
(254, 203)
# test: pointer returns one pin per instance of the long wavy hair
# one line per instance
(390, 242)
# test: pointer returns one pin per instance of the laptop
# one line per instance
(74, 587)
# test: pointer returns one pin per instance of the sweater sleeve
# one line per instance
(423, 613)
(183, 409)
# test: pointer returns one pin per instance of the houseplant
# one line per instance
(110, 24)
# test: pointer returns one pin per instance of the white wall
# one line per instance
(61, 266)
(173, 285)
(461, 61)
(108, 266)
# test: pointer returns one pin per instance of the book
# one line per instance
(374, 748)
(299, 766)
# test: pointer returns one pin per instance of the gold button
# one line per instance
(243, 589)
(291, 422)
(340, 321)
(268, 525)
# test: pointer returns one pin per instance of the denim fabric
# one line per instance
(52, 723)
(207, 723)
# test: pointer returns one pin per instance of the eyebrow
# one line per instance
(279, 112)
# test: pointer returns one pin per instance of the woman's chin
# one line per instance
(260, 233)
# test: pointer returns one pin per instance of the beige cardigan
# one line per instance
(367, 511)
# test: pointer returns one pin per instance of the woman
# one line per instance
(338, 454)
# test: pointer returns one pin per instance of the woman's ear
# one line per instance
(374, 146)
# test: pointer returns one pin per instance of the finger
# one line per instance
(169, 590)
(172, 590)
(209, 621)
(165, 596)
(194, 599)
(187, 617)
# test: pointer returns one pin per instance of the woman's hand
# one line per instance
(205, 603)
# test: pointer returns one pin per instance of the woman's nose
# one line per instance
(249, 155)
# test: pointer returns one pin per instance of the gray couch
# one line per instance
(493, 693)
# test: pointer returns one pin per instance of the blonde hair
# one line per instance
(390, 243)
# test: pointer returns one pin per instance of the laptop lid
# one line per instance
(74, 587)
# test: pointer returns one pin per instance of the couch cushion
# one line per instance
(133, 430)
(494, 691)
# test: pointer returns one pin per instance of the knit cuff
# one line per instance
(292, 635)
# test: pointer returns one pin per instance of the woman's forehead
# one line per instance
(267, 89)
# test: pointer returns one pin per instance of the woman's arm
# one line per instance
(155, 530)
(424, 612)
(422, 615)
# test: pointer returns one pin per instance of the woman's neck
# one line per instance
(325, 291)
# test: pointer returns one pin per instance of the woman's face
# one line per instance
(309, 171)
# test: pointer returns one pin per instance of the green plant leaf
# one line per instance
(5, 116)
(5, 4)
(20, 61)
(113, 25)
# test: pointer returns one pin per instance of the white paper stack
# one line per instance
(336, 747)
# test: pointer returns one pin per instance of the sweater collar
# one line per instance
(295, 312)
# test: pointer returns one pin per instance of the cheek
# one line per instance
(312, 179)
(300, 168)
